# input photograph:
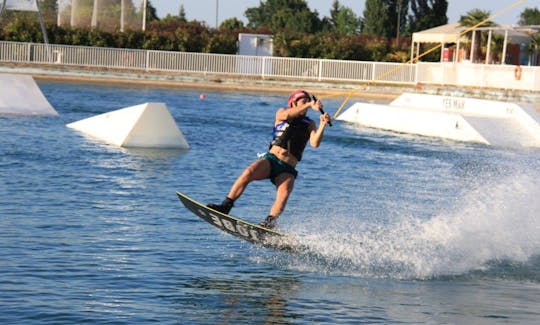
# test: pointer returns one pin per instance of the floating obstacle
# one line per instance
(456, 118)
(148, 125)
(20, 95)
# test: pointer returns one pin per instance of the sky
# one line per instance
(205, 10)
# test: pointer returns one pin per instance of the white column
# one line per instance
(488, 46)
(458, 48)
(473, 45)
(503, 59)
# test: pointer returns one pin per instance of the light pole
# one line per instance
(398, 22)
(217, 13)
(145, 5)
(95, 12)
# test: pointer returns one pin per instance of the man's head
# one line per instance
(297, 95)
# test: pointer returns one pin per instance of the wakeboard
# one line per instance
(242, 229)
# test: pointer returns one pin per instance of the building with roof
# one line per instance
(492, 45)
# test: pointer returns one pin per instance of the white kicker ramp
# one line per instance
(412, 121)
(148, 125)
(20, 95)
(456, 118)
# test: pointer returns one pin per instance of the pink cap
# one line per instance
(296, 95)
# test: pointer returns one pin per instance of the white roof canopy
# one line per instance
(453, 33)
(441, 34)
(450, 33)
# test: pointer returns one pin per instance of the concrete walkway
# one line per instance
(338, 90)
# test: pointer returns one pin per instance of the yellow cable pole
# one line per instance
(415, 59)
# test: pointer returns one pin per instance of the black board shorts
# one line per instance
(278, 166)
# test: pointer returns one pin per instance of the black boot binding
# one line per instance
(269, 223)
(224, 207)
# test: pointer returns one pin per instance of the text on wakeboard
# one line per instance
(234, 228)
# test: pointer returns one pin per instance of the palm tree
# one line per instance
(532, 48)
(496, 48)
(476, 18)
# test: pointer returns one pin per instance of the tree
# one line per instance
(427, 14)
(473, 18)
(290, 15)
(382, 17)
(49, 9)
(376, 17)
(342, 21)
(231, 24)
(151, 12)
(529, 16)
(397, 17)
(182, 13)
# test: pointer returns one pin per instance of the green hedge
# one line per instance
(178, 35)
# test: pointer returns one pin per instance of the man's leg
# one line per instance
(284, 186)
(260, 169)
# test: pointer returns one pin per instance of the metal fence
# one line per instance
(458, 74)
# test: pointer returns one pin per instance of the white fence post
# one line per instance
(416, 71)
(263, 67)
(320, 69)
(29, 53)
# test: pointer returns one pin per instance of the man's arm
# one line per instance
(284, 114)
(317, 133)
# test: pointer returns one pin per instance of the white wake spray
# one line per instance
(495, 222)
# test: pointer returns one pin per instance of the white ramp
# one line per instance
(502, 132)
(20, 95)
(148, 125)
(423, 122)
(458, 118)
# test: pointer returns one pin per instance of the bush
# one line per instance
(174, 34)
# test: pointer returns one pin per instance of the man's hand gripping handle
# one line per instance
(320, 109)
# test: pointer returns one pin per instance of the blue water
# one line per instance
(402, 229)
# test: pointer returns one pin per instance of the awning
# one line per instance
(448, 33)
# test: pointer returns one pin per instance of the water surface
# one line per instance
(403, 229)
